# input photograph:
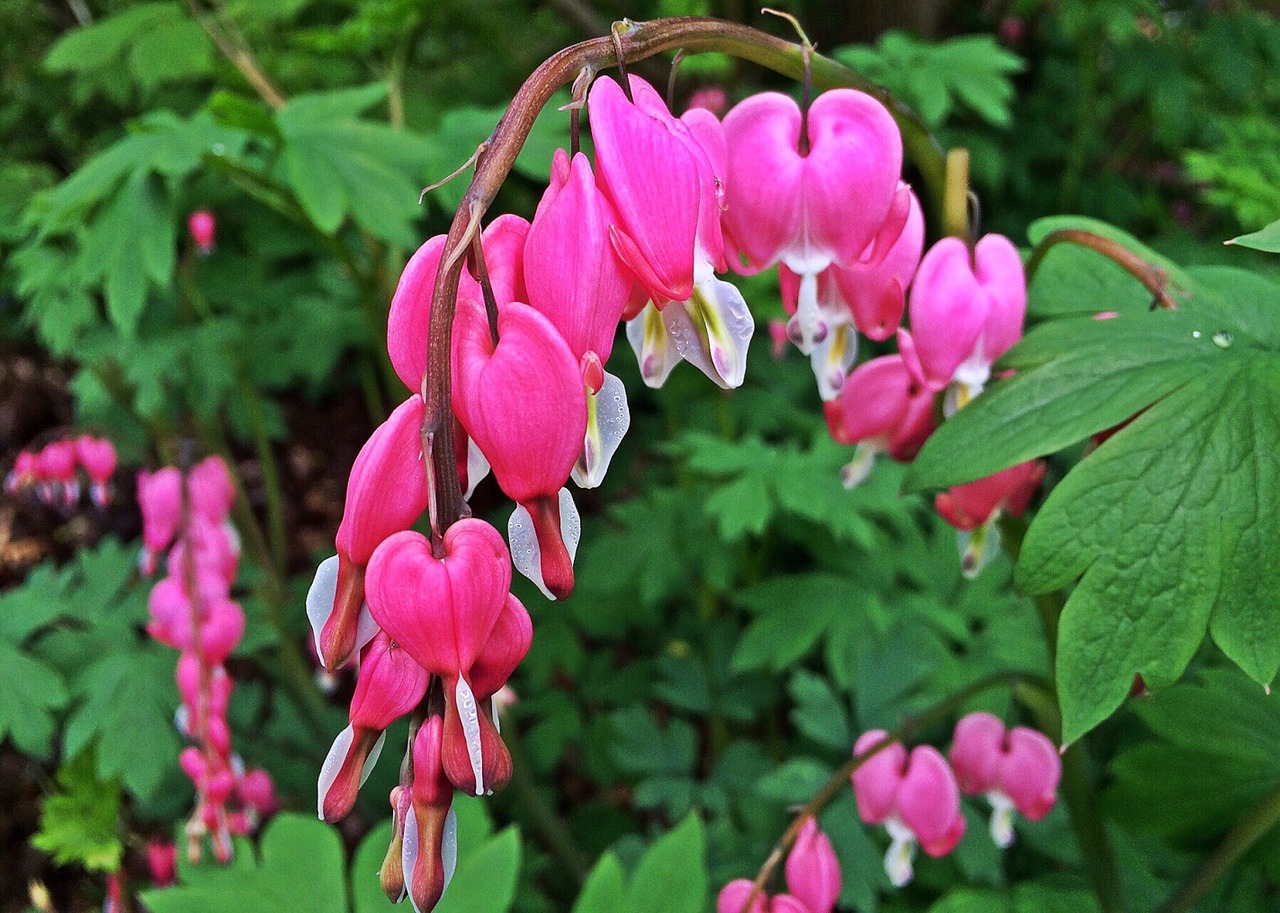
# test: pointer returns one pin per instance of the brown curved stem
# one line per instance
(1153, 278)
(840, 779)
(635, 42)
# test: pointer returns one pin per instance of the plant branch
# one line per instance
(635, 42)
(1091, 831)
(1154, 279)
(231, 44)
(840, 779)
(1248, 830)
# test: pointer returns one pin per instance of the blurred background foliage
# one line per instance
(739, 616)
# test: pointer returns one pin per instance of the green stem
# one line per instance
(1248, 830)
(540, 816)
(839, 781)
(278, 551)
(1077, 788)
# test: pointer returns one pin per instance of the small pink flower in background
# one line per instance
(203, 227)
(98, 458)
(162, 862)
(160, 499)
(713, 98)
(1017, 769)
(734, 895)
(914, 796)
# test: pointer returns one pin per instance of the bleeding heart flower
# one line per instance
(791, 205)
(429, 846)
(386, 493)
(160, 499)
(1018, 769)
(914, 796)
(577, 281)
(202, 226)
(443, 611)
(522, 401)
(882, 409)
(651, 178)
(389, 685)
(974, 507)
(813, 873)
(966, 311)
(98, 457)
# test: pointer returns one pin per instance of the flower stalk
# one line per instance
(628, 42)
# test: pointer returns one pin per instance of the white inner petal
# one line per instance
(469, 714)
(526, 554)
(901, 853)
(608, 419)
(832, 358)
(320, 597)
(332, 764)
(654, 348)
(1001, 819)
(409, 853)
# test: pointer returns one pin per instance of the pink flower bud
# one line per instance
(202, 227)
(813, 873)
(162, 862)
(160, 499)
(733, 897)
(1009, 491)
(98, 457)
(258, 792)
(714, 99)
(426, 868)
(211, 490)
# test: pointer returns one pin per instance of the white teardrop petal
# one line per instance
(332, 764)
(608, 419)
(655, 350)
(320, 597)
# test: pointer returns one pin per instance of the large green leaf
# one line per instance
(30, 693)
(672, 875)
(1266, 239)
(1170, 525)
(299, 866)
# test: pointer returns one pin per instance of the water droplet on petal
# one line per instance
(1222, 339)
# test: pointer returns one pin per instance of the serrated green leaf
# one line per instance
(672, 875)
(818, 712)
(1264, 239)
(1076, 377)
(30, 693)
(170, 50)
(1170, 522)
(604, 891)
(308, 110)
(299, 867)
(79, 824)
(126, 710)
(794, 613)
(641, 746)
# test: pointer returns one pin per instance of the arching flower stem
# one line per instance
(628, 42)
(839, 781)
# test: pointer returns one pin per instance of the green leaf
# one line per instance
(299, 867)
(1076, 377)
(485, 879)
(30, 694)
(641, 746)
(1179, 282)
(1264, 239)
(818, 712)
(126, 710)
(1172, 524)
(795, 781)
(171, 51)
(604, 891)
(79, 824)
(314, 108)
(99, 44)
(795, 611)
(672, 875)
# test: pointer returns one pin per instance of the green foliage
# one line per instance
(299, 865)
(1163, 523)
(1215, 754)
(936, 78)
(79, 824)
(1266, 239)
(671, 877)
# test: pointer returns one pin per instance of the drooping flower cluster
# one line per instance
(813, 879)
(53, 471)
(916, 794)
(191, 610)
(641, 236)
